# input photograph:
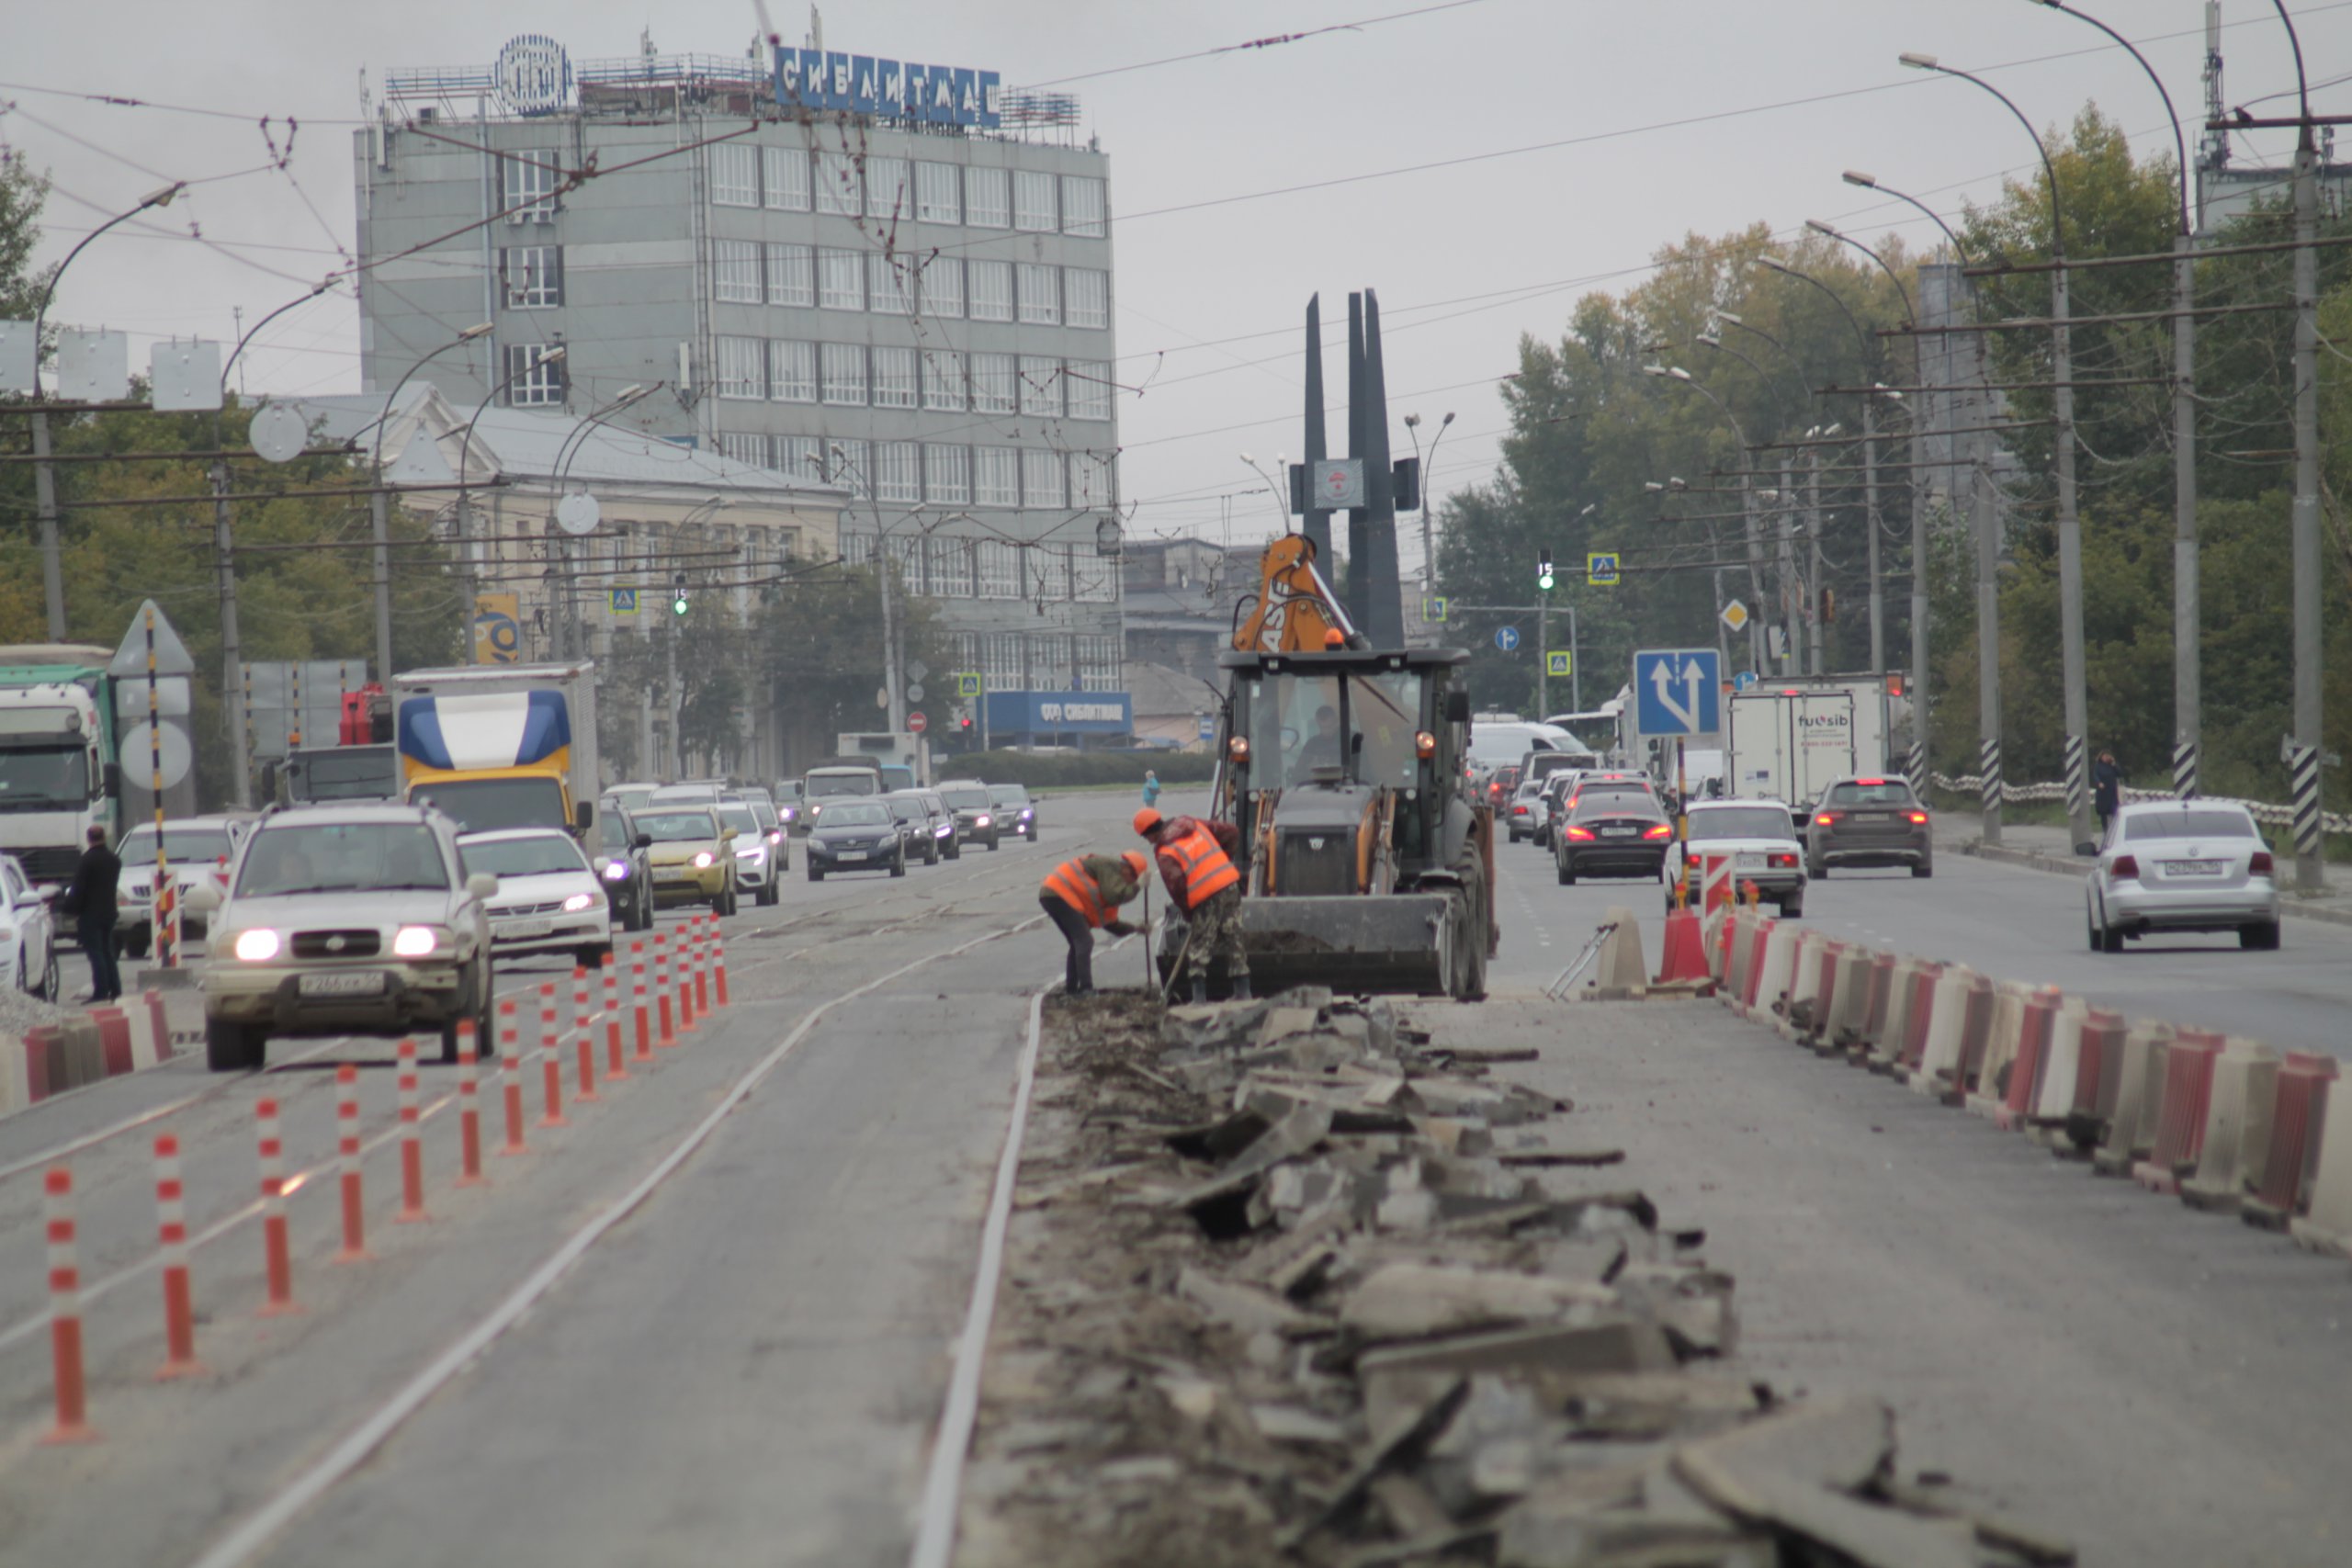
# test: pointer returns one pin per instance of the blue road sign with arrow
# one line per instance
(1677, 691)
(1507, 638)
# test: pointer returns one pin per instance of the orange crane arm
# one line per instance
(1295, 609)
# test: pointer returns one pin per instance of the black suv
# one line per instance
(617, 851)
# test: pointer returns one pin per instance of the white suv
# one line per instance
(350, 917)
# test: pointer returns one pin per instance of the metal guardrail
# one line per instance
(2262, 810)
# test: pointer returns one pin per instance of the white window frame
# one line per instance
(792, 275)
(743, 446)
(996, 475)
(887, 281)
(840, 278)
(945, 381)
(1082, 207)
(1098, 659)
(939, 287)
(841, 374)
(854, 469)
(893, 376)
(803, 459)
(939, 193)
(837, 187)
(735, 272)
(734, 174)
(528, 182)
(1033, 202)
(1045, 479)
(1037, 286)
(996, 384)
(1041, 386)
(533, 383)
(742, 369)
(999, 575)
(947, 566)
(898, 476)
(1086, 298)
(984, 299)
(1093, 479)
(783, 178)
(987, 199)
(533, 277)
(889, 189)
(947, 474)
(792, 371)
(1088, 383)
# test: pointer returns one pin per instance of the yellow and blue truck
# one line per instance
(500, 745)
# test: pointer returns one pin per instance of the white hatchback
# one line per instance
(549, 899)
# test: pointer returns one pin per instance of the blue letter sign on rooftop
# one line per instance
(860, 84)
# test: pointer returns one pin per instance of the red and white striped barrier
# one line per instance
(347, 1149)
(1944, 1046)
(637, 1000)
(411, 1139)
(171, 1239)
(718, 961)
(510, 1077)
(2237, 1142)
(683, 973)
(469, 1106)
(664, 992)
(2326, 1224)
(277, 1253)
(703, 926)
(2188, 1085)
(584, 1036)
(2297, 1114)
(2130, 1133)
(615, 1066)
(550, 1058)
(73, 1423)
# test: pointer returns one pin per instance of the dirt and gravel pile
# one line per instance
(1286, 1284)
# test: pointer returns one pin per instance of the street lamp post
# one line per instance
(52, 570)
(1428, 495)
(2070, 531)
(1747, 503)
(379, 511)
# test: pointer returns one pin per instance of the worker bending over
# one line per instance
(1196, 863)
(1078, 897)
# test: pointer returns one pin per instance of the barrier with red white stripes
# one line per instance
(2299, 1109)
(550, 1058)
(469, 1106)
(73, 1424)
(510, 1077)
(350, 1178)
(411, 1139)
(171, 1241)
(615, 1066)
(584, 1037)
(277, 1253)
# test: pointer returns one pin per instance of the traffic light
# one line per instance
(678, 605)
(1543, 571)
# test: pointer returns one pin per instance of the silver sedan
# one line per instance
(2174, 865)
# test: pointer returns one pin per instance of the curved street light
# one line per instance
(1746, 505)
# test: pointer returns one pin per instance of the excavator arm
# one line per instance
(1295, 609)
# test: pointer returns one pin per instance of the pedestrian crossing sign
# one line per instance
(623, 601)
(1559, 661)
(967, 683)
(1601, 569)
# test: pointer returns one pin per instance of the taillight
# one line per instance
(1583, 833)
(1919, 817)
(1827, 819)
(1519, 810)
(2124, 866)
(1780, 862)
(2261, 863)
(1660, 831)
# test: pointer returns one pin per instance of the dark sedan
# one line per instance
(1869, 821)
(1610, 831)
(852, 834)
(915, 818)
(1014, 809)
(623, 867)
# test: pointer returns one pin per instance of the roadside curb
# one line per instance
(2031, 860)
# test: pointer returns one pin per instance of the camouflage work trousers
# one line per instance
(1216, 934)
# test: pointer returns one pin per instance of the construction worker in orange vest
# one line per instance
(1078, 897)
(1196, 863)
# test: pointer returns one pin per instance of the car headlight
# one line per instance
(411, 941)
(755, 852)
(579, 902)
(981, 821)
(702, 859)
(258, 946)
(616, 871)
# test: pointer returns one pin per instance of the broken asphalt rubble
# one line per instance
(1288, 1285)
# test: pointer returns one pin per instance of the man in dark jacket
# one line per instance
(89, 898)
(2107, 789)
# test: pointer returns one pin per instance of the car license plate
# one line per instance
(1617, 832)
(2192, 868)
(852, 854)
(1873, 816)
(1751, 860)
(344, 983)
(524, 927)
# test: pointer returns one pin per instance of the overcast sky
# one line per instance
(1665, 117)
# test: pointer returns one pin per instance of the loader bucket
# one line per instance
(1398, 943)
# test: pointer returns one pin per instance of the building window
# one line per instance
(742, 367)
(735, 175)
(850, 464)
(894, 377)
(996, 475)
(939, 194)
(987, 199)
(841, 279)
(530, 186)
(947, 474)
(784, 171)
(1041, 386)
(534, 275)
(735, 271)
(857, 548)
(844, 366)
(1098, 662)
(992, 391)
(1096, 577)
(1086, 297)
(1091, 479)
(1032, 201)
(888, 189)
(999, 660)
(739, 447)
(1082, 207)
(792, 371)
(1089, 389)
(803, 460)
(533, 382)
(837, 185)
(888, 280)
(901, 475)
(942, 380)
(948, 564)
(991, 289)
(939, 287)
(1001, 578)
(1042, 482)
(792, 275)
(1041, 294)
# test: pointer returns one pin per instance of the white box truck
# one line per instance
(1789, 739)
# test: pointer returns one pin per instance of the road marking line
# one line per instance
(259, 1527)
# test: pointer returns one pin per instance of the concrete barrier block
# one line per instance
(1774, 973)
(15, 1075)
(1893, 1026)
(1848, 1014)
(1980, 1076)
(151, 1037)
(1742, 960)
(114, 1041)
(2139, 1097)
(2053, 1097)
(2236, 1143)
(1619, 965)
(1947, 1028)
(2298, 1116)
(82, 1054)
(2326, 1224)
(2187, 1090)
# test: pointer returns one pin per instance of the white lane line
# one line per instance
(943, 1488)
(257, 1528)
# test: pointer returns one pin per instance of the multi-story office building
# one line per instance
(901, 288)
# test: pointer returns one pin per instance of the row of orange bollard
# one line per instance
(689, 973)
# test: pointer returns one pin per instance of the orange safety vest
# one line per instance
(1208, 871)
(1070, 882)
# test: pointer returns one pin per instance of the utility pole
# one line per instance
(233, 685)
(381, 527)
(1792, 590)
(1813, 588)
(1989, 648)
(1544, 655)
(1756, 623)
(1871, 522)
(2080, 831)
(2309, 875)
(52, 574)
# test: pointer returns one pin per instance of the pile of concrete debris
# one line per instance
(1286, 1284)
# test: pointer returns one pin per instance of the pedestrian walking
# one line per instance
(2107, 789)
(1150, 787)
(1080, 897)
(1196, 865)
(89, 898)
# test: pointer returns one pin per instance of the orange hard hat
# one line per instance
(1147, 819)
(1136, 865)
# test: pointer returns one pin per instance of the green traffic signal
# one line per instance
(1543, 571)
(678, 605)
